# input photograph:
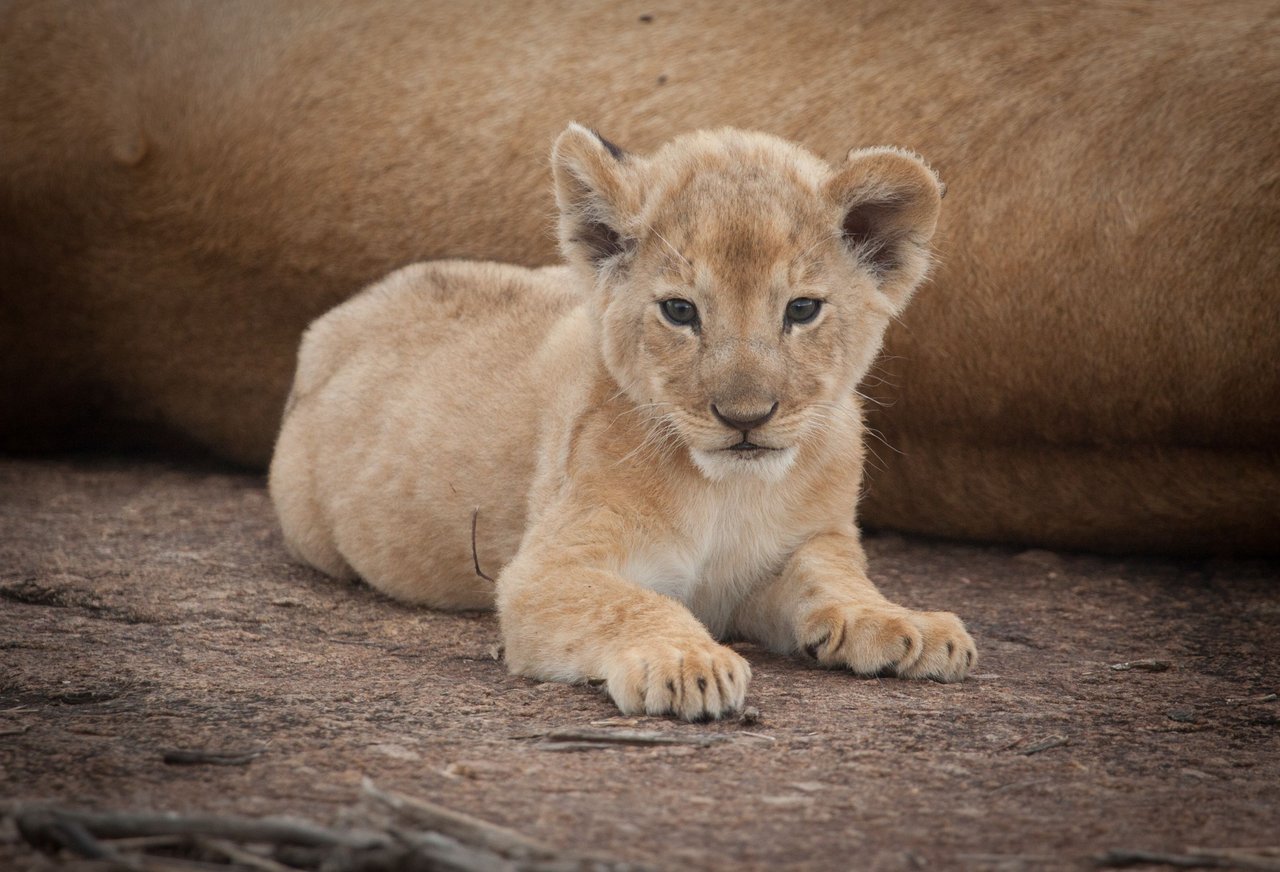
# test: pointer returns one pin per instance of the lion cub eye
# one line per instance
(682, 313)
(802, 310)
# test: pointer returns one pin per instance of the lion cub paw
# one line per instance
(875, 640)
(695, 681)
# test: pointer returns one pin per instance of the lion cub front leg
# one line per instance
(824, 604)
(565, 619)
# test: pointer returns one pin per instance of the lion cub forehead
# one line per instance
(732, 168)
(746, 196)
(737, 193)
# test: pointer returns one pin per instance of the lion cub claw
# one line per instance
(889, 639)
(697, 682)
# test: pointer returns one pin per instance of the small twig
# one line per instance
(194, 757)
(1141, 666)
(458, 825)
(591, 740)
(1044, 745)
(243, 856)
(1197, 860)
(34, 823)
(74, 836)
(1012, 743)
(475, 556)
(17, 731)
(431, 851)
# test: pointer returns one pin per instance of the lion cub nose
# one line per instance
(743, 420)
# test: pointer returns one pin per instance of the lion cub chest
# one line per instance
(721, 545)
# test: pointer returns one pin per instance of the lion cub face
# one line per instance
(742, 285)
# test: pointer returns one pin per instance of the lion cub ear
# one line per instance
(593, 195)
(889, 202)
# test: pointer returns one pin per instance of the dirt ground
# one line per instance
(150, 606)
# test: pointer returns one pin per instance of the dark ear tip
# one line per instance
(614, 150)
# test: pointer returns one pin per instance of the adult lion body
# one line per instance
(184, 186)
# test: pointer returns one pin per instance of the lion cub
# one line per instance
(661, 441)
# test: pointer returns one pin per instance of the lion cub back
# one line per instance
(414, 404)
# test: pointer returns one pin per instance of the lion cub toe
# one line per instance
(696, 682)
(949, 653)
(878, 640)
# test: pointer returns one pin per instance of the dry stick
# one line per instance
(1044, 745)
(434, 851)
(475, 557)
(1141, 666)
(458, 841)
(456, 824)
(73, 836)
(1198, 860)
(243, 856)
(337, 851)
(305, 844)
(408, 851)
(581, 739)
(35, 823)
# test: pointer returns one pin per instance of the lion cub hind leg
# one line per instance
(308, 535)
(823, 604)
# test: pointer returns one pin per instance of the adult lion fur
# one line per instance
(185, 185)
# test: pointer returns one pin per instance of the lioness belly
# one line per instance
(415, 409)
(1106, 290)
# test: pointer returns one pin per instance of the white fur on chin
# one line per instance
(770, 466)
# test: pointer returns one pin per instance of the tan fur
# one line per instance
(185, 185)
(574, 421)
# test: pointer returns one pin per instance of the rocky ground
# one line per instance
(149, 615)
